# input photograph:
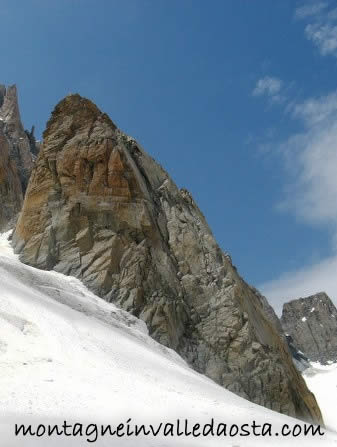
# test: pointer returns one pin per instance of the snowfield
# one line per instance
(322, 381)
(67, 355)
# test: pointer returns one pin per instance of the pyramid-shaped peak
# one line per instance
(99, 208)
(73, 112)
(73, 102)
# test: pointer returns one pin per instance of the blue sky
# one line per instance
(236, 99)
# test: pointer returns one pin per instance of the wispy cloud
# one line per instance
(270, 87)
(324, 36)
(311, 160)
(316, 110)
(321, 28)
(310, 10)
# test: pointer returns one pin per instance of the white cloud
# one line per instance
(324, 36)
(311, 158)
(316, 110)
(321, 28)
(269, 86)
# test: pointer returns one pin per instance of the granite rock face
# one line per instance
(10, 186)
(21, 144)
(312, 324)
(101, 209)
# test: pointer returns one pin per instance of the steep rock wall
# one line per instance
(99, 208)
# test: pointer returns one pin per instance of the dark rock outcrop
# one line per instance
(99, 208)
(20, 145)
(34, 145)
(312, 324)
(300, 360)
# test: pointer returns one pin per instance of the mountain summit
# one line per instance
(21, 143)
(99, 208)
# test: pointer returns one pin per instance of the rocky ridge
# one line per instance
(99, 208)
(312, 324)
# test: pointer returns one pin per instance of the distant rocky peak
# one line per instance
(312, 324)
(9, 111)
(21, 147)
(10, 186)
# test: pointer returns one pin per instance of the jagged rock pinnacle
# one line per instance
(18, 141)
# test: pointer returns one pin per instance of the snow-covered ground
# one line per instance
(67, 355)
(322, 381)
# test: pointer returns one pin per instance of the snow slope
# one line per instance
(322, 381)
(67, 355)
